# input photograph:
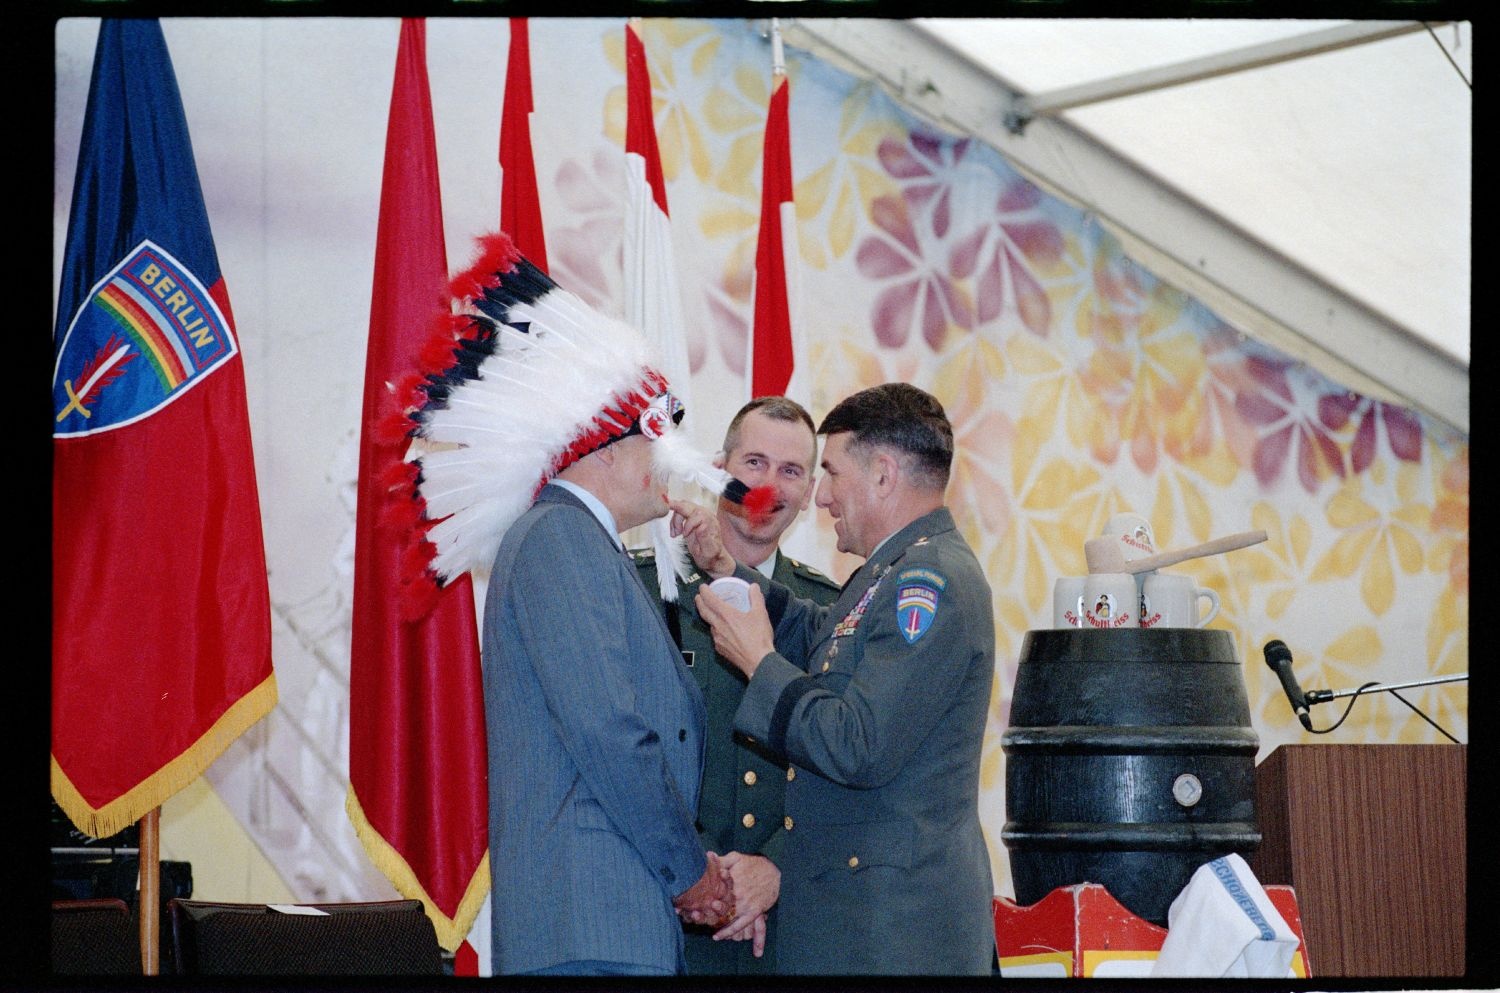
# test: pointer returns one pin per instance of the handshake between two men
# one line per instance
(738, 889)
(733, 896)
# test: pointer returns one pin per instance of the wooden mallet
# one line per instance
(1106, 554)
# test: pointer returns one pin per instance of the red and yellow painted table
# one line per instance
(1082, 931)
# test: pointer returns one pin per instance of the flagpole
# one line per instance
(149, 903)
(778, 59)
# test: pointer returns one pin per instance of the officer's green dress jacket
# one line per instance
(739, 808)
(880, 704)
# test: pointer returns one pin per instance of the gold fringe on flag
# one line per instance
(155, 789)
(451, 931)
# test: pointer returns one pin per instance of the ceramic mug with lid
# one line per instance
(1171, 601)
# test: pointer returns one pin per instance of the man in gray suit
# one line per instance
(541, 429)
(879, 703)
(769, 442)
(595, 733)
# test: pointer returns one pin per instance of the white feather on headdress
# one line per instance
(522, 379)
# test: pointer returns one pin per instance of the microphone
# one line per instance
(1279, 658)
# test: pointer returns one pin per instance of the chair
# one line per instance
(95, 937)
(385, 938)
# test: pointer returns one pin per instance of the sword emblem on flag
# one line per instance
(107, 365)
(149, 305)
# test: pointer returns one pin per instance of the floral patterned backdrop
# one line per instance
(1079, 385)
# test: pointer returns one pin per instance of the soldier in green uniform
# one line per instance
(879, 702)
(771, 442)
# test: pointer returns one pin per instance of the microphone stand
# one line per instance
(1323, 696)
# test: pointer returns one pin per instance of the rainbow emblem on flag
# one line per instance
(149, 308)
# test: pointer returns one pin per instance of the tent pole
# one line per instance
(149, 902)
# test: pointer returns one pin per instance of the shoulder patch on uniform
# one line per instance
(917, 597)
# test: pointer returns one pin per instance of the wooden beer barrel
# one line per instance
(1130, 762)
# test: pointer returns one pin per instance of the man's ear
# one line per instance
(721, 459)
(606, 454)
(887, 472)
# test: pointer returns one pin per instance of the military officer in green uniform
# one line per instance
(879, 703)
(770, 441)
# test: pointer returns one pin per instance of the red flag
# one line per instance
(640, 120)
(161, 636)
(417, 771)
(771, 357)
(652, 300)
(520, 209)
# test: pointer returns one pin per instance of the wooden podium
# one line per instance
(1372, 840)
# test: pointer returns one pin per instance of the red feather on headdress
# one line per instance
(496, 254)
(394, 427)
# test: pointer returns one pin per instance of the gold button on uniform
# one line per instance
(748, 820)
(791, 773)
(749, 777)
(825, 665)
(787, 823)
(854, 861)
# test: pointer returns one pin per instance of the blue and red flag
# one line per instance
(161, 632)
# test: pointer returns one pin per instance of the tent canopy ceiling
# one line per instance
(1308, 180)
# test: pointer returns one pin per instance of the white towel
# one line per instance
(1222, 924)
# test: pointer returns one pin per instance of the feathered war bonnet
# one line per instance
(518, 381)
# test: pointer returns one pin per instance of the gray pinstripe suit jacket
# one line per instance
(595, 733)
